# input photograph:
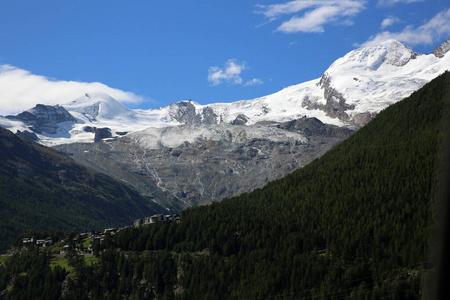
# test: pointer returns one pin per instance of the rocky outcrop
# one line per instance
(335, 106)
(209, 117)
(89, 129)
(313, 127)
(44, 118)
(241, 119)
(442, 49)
(100, 133)
(184, 112)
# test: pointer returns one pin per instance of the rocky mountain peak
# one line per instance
(442, 49)
(397, 54)
(98, 105)
(44, 118)
(184, 112)
(390, 52)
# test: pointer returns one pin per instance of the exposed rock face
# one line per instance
(184, 112)
(44, 118)
(241, 119)
(313, 127)
(223, 161)
(89, 129)
(335, 106)
(209, 117)
(100, 133)
(442, 49)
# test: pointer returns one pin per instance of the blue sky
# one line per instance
(151, 53)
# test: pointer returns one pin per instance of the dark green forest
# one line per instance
(354, 224)
(41, 189)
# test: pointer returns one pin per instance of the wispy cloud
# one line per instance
(432, 31)
(230, 73)
(254, 81)
(21, 90)
(389, 21)
(392, 2)
(315, 14)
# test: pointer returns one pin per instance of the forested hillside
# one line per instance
(353, 224)
(41, 189)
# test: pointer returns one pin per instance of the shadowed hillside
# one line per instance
(41, 189)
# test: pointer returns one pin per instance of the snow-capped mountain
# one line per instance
(200, 153)
(349, 93)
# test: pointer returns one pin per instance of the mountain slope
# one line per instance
(204, 163)
(41, 189)
(351, 224)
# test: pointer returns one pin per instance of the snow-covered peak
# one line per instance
(98, 106)
(394, 53)
(370, 79)
(385, 54)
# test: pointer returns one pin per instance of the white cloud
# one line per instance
(21, 90)
(230, 73)
(434, 30)
(392, 2)
(311, 21)
(389, 21)
(317, 14)
(254, 81)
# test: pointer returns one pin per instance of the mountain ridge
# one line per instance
(349, 93)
